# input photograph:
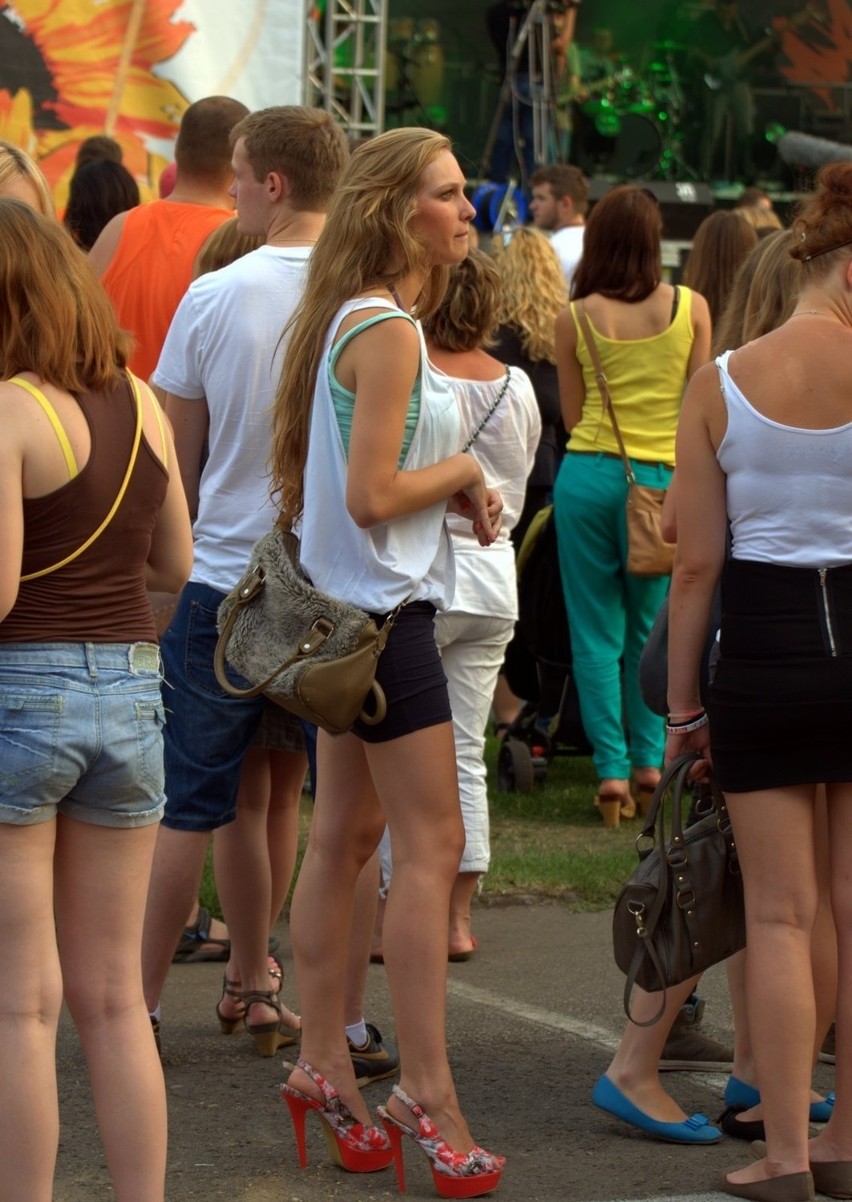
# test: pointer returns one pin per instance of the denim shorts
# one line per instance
(208, 732)
(81, 733)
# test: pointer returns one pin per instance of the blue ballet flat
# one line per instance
(740, 1096)
(694, 1130)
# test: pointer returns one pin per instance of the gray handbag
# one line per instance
(309, 653)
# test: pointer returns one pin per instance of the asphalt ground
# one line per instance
(533, 1018)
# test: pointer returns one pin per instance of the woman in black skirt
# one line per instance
(765, 442)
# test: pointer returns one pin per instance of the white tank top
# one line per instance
(408, 558)
(789, 490)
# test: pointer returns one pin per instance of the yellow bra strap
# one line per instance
(51, 415)
(137, 438)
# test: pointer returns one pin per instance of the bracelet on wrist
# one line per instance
(685, 728)
(685, 715)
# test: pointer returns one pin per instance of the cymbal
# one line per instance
(669, 45)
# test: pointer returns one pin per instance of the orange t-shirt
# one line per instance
(152, 268)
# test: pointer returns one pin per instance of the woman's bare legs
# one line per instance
(30, 1000)
(823, 964)
(250, 872)
(775, 841)
(415, 778)
(634, 1067)
(835, 1140)
(345, 830)
(101, 877)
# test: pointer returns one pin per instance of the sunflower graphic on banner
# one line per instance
(129, 68)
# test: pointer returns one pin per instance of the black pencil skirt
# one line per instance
(780, 704)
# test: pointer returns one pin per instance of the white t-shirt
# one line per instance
(505, 449)
(568, 244)
(223, 347)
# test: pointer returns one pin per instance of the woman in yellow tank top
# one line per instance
(650, 337)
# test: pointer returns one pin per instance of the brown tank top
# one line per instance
(100, 597)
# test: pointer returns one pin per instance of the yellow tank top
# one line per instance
(647, 378)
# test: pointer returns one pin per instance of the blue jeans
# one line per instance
(610, 611)
(81, 733)
(208, 732)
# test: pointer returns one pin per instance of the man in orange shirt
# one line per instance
(145, 257)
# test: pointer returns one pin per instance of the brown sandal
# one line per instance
(269, 1036)
(615, 806)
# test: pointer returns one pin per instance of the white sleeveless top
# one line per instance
(789, 490)
(409, 557)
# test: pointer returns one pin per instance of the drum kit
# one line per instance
(637, 119)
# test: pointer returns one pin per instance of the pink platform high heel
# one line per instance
(455, 1174)
(351, 1145)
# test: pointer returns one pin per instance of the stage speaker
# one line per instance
(684, 204)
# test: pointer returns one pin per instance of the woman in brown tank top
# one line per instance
(80, 709)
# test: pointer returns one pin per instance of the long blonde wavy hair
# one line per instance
(367, 242)
(533, 290)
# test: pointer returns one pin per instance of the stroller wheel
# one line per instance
(515, 769)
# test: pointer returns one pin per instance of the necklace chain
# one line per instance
(810, 313)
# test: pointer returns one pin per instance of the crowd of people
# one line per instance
(300, 334)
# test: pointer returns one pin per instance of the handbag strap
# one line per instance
(674, 777)
(250, 585)
(490, 412)
(134, 451)
(603, 386)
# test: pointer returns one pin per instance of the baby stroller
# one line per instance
(538, 667)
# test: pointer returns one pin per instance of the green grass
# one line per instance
(551, 843)
(547, 843)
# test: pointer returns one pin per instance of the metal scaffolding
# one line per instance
(345, 62)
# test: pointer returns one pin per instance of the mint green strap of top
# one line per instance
(53, 417)
(343, 400)
(363, 325)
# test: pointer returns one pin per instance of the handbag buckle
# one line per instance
(322, 629)
(637, 909)
(251, 582)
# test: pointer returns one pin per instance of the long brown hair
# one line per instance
(55, 318)
(367, 242)
(763, 295)
(722, 241)
(622, 253)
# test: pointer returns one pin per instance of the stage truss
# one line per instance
(344, 70)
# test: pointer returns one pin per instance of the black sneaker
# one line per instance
(689, 1049)
(374, 1061)
(155, 1027)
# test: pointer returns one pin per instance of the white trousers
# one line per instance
(472, 647)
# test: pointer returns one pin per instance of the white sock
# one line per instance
(155, 1014)
(357, 1034)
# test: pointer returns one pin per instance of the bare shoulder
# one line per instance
(101, 254)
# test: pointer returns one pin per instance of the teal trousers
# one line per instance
(610, 611)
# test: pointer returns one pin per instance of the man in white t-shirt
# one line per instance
(560, 201)
(218, 372)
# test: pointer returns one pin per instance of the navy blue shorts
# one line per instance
(412, 677)
(207, 732)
